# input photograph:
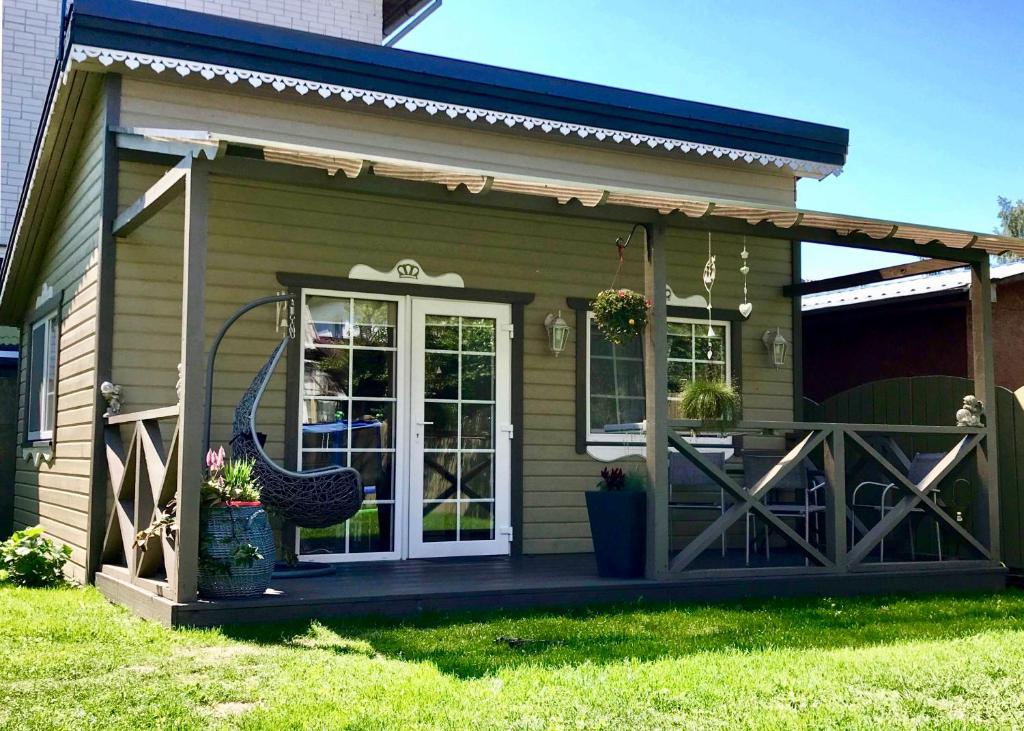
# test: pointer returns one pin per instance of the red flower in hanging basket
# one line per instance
(620, 315)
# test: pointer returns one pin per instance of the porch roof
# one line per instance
(783, 221)
(201, 46)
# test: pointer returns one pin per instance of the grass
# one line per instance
(70, 660)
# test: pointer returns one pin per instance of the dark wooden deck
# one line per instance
(406, 587)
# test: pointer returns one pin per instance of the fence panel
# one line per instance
(933, 401)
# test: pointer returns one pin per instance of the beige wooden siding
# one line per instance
(258, 229)
(57, 495)
(379, 133)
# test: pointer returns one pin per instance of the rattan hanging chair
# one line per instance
(308, 499)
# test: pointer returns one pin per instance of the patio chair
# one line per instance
(689, 487)
(881, 496)
(803, 484)
(309, 499)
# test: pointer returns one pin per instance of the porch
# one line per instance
(519, 582)
(834, 546)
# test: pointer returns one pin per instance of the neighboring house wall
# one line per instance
(849, 346)
(30, 30)
(56, 495)
(846, 347)
(30, 37)
(258, 229)
(1007, 333)
(357, 20)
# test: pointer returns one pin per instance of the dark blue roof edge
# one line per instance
(158, 30)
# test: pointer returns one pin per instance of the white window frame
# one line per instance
(38, 398)
(637, 437)
(399, 452)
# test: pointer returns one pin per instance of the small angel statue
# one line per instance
(970, 413)
(111, 393)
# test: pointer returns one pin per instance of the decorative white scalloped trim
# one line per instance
(257, 79)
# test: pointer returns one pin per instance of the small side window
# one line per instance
(42, 378)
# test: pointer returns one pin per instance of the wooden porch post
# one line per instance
(190, 403)
(656, 389)
(985, 389)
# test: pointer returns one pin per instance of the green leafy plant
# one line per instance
(228, 481)
(620, 314)
(710, 401)
(165, 523)
(613, 479)
(29, 558)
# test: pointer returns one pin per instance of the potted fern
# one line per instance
(617, 510)
(713, 402)
(236, 550)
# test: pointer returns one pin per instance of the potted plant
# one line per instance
(713, 402)
(620, 314)
(236, 542)
(618, 523)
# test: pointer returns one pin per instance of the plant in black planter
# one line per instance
(715, 403)
(236, 542)
(620, 314)
(618, 523)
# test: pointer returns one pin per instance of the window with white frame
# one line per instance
(42, 378)
(615, 374)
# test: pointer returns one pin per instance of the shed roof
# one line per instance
(917, 286)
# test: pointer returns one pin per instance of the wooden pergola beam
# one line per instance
(987, 507)
(252, 169)
(191, 402)
(885, 274)
(154, 199)
(656, 389)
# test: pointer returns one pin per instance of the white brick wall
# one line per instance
(30, 29)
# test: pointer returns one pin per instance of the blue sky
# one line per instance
(932, 92)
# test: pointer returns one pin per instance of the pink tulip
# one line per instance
(215, 460)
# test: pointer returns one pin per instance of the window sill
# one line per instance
(612, 452)
(38, 452)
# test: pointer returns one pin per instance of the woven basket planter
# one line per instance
(223, 530)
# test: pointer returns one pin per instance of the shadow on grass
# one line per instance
(475, 644)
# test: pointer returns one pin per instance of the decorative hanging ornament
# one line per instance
(709, 283)
(745, 308)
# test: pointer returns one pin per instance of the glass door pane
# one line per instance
(350, 398)
(458, 431)
(460, 458)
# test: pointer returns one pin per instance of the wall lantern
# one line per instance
(776, 345)
(558, 332)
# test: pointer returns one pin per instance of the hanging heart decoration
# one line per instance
(745, 307)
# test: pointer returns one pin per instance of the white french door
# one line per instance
(415, 394)
(460, 450)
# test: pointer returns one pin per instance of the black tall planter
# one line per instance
(618, 524)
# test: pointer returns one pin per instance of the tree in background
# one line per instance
(1011, 223)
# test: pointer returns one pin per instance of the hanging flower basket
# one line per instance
(620, 314)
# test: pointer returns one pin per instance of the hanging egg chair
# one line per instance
(308, 499)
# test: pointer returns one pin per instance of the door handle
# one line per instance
(424, 423)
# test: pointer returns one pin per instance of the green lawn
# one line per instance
(70, 660)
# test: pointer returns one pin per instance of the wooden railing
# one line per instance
(842, 550)
(143, 481)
